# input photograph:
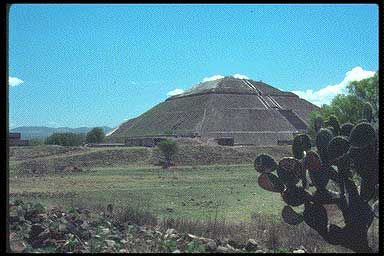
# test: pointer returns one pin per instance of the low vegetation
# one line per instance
(96, 135)
(168, 149)
(65, 139)
(82, 229)
(219, 201)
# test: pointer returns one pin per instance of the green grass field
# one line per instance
(205, 181)
(190, 191)
(195, 192)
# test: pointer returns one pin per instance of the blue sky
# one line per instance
(95, 65)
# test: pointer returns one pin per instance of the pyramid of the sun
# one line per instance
(251, 112)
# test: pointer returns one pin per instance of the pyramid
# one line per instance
(251, 112)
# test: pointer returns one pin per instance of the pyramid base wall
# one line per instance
(253, 138)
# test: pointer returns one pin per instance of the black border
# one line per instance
(5, 87)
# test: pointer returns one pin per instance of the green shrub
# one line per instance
(168, 148)
(36, 142)
(96, 135)
(65, 139)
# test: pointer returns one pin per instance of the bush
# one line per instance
(96, 135)
(65, 139)
(168, 148)
(36, 142)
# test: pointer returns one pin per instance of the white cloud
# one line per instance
(175, 92)
(212, 78)
(53, 124)
(238, 76)
(326, 94)
(14, 81)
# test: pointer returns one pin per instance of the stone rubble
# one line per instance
(33, 228)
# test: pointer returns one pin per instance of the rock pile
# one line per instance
(33, 228)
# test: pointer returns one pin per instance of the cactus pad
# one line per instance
(301, 144)
(319, 178)
(323, 138)
(312, 161)
(335, 235)
(270, 182)
(375, 209)
(265, 163)
(345, 129)
(290, 216)
(362, 135)
(337, 147)
(290, 170)
(318, 124)
(315, 215)
(295, 196)
(334, 123)
(325, 197)
(367, 188)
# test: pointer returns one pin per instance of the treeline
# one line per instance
(96, 135)
(360, 102)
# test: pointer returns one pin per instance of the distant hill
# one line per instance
(41, 132)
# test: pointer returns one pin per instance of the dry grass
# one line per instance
(265, 230)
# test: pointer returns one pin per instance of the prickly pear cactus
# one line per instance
(340, 153)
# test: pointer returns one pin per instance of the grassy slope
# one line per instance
(229, 190)
(127, 176)
(232, 190)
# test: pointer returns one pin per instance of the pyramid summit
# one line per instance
(249, 111)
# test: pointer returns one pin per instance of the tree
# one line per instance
(168, 149)
(65, 139)
(367, 90)
(353, 106)
(96, 135)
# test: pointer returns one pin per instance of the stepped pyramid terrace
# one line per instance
(248, 111)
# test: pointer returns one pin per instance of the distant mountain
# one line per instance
(41, 132)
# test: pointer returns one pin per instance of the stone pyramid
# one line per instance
(251, 112)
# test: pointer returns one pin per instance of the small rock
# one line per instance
(170, 231)
(176, 251)
(114, 237)
(123, 251)
(18, 246)
(251, 245)
(36, 229)
(302, 248)
(222, 249)
(233, 244)
(212, 246)
(230, 247)
(62, 227)
(259, 251)
(298, 251)
(84, 225)
(104, 231)
(110, 243)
